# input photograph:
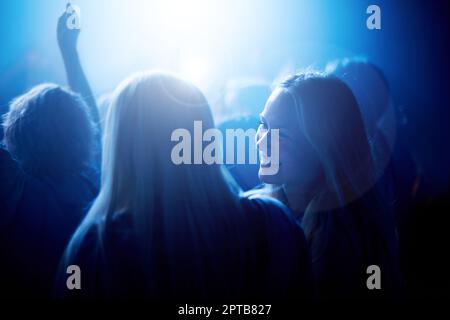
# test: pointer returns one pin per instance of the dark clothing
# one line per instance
(274, 264)
(38, 215)
(345, 241)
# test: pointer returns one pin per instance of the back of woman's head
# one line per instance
(330, 119)
(49, 131)
(146, 110)
(174, 208)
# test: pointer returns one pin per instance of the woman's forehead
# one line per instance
(280, 107)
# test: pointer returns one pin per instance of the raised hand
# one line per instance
(67, 34)
(68, 30)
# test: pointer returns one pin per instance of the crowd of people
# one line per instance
(95, 187)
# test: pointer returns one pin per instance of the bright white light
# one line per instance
(188, 36)
(197, 39)
(196, 70)
(188, 16)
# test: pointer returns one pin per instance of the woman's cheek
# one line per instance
(287, 151)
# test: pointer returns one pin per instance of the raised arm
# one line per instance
(67, 41)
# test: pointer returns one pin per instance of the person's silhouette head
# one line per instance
(145, 111)
(48, 130)
(370, 87)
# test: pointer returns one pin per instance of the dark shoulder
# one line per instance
(273, 215)
(270, 208)
(104, 253)
(12, 182)
(116, 233)
(9, 168)
(84, 246)
(83, 253)
(280, 245)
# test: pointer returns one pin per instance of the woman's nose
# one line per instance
(262, 136)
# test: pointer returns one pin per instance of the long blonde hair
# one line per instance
(175, 209)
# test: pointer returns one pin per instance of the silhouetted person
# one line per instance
(372, 93)
(67, 42)
(46, 183)
(48, 174)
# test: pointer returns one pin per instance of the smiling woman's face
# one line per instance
(299, 163)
